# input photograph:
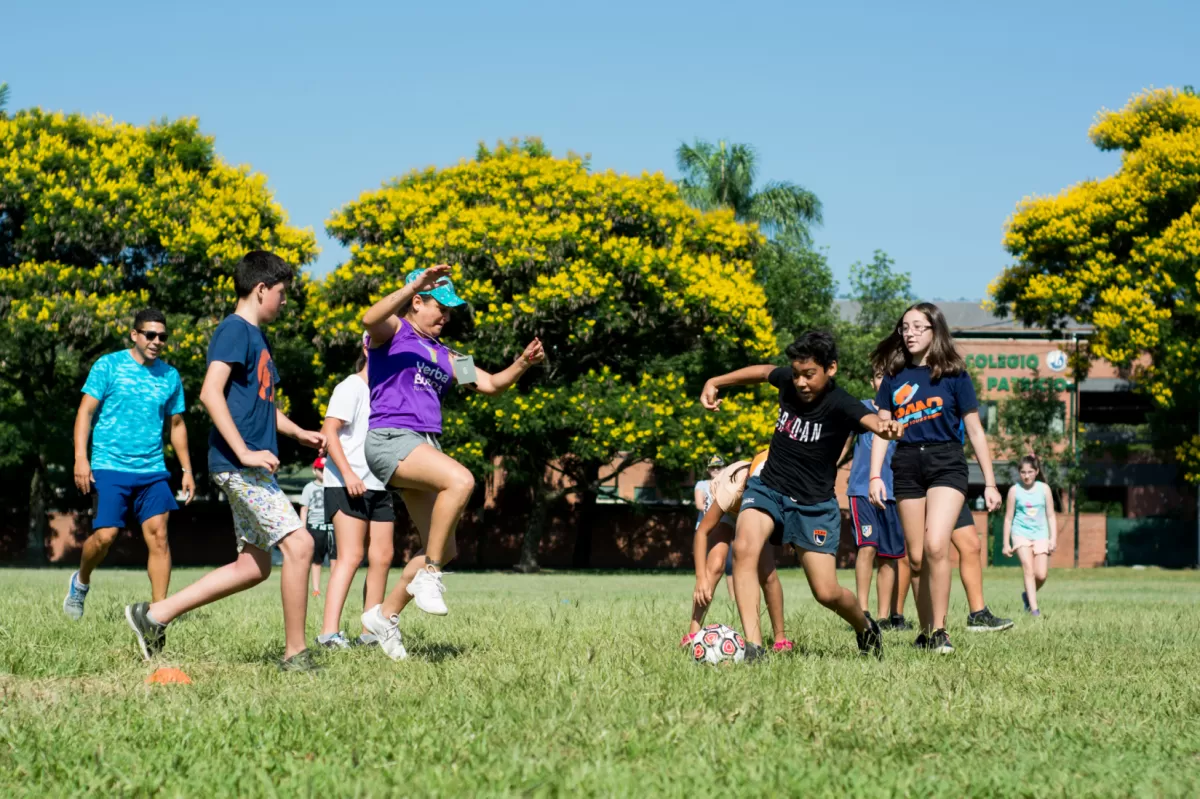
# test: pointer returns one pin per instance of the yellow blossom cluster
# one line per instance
(1123, 253)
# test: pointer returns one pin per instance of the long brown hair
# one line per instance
(942, 359)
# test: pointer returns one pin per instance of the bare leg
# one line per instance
(942, 506)
(912, 519)
(1025, 554)
(753, 529)
(904, 578)
(380, 552)
(1041, 570)
(768, 578)
(428, 470)
(158, 563)
(422, 507)
(970, 565)
(821, 570)
(315, 574)
(94, 549)
(350, 533)
(297, 549)
(886, 588)
(252, 566)
(864, 567)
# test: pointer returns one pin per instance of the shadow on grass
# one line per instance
(436, 652)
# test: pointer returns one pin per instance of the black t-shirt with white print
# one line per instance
(809, 437)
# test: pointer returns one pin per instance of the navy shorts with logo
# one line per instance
(148, 495)
(815, 528)
(877, 528)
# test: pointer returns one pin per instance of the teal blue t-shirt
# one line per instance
(135, 400)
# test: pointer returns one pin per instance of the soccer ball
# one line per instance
(716, 643)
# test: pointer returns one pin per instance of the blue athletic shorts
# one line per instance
(116, 492)
(815, 528)
(877, 528)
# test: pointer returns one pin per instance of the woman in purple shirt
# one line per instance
(409, 371)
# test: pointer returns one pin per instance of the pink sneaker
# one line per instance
(783, 646)
(686, 640)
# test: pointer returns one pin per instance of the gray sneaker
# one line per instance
(333, 641)
(151, 637)
(76, 596)
(365, 639)
(983, 621)
(302, 661)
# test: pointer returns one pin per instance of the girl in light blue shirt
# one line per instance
(1031, 530)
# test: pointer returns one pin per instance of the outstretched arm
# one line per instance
(746, 376)
(492, 384)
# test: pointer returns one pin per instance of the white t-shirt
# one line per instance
(351, 402)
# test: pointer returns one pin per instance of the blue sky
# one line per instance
(919, 125)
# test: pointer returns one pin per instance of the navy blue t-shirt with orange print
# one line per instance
(930, 410)
(250, 392)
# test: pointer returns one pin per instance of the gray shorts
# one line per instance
(387, 446)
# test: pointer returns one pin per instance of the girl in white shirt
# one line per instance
(357, 503)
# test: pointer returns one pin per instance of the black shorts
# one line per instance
(916, 468)
(965, 517)
(324, 542)
(373, 506)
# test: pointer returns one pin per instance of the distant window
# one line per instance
(645, 494)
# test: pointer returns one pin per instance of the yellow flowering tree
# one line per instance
(1123, 254)
(636, 295)
(97, 220)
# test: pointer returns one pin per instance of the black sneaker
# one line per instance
(898, 622)
(982, 621)
(754, 653)
(151, 637)
(940, 643)
(922, 642)
(885, 624)
(870, 641)
(301, 661)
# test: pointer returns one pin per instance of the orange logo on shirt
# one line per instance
(904, 393)
(266, 383)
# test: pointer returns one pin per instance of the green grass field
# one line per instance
(572, 684)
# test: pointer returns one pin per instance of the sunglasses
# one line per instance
(151, 335)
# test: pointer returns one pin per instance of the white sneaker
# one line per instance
(427, 589)
(386, 631)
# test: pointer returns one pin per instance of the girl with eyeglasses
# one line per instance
(927, 390)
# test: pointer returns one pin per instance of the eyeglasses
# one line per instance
(914, 329)
(151, 335)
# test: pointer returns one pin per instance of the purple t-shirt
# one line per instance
(408, 377)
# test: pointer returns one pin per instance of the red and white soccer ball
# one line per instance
(717, 643)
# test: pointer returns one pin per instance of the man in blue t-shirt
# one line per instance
(243, 455)
(129, 394)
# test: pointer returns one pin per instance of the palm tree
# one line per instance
(722, 176)
(3, 97)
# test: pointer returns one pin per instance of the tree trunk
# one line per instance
(35, 547)
(585, 512)
(534, 530)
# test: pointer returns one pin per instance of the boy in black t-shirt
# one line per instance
(792, 501)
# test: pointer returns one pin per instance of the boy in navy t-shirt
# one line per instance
(243, 455)
(878, 533)
(793, 501)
